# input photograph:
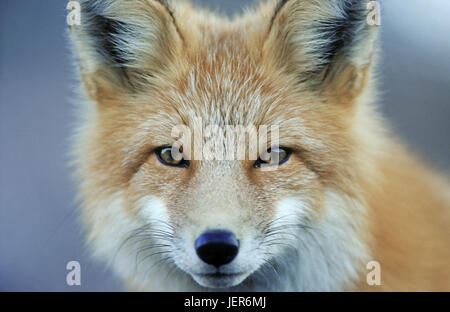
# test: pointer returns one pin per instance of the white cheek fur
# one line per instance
(293, 208)
(152, 209)
(329, 253)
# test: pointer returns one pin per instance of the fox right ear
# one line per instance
(323, 44)
(124, 44)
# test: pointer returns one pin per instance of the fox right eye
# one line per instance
(276, 156)
(170, 157)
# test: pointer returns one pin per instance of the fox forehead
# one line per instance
(224, 84)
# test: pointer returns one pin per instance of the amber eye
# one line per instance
(273, 157)
(170, 157)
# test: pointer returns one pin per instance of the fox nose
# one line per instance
(217, 247)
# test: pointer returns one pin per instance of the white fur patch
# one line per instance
(329, 253)
(292, 207)
(152, 208)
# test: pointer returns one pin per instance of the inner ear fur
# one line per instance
(125, 44)
(325, 45)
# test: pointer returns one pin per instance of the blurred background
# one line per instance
(39, 229)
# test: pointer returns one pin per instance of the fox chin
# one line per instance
(329, 190)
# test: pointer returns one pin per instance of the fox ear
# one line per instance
(325, 44)
(123, 44)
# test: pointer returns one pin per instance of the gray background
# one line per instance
(39, 232)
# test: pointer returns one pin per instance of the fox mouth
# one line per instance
(219, 280)
(219, 275)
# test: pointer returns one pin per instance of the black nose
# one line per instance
(217, 247)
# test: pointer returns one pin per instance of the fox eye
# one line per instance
(273, 157)
(170, 156)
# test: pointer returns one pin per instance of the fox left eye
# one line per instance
(276, 156)
(165, 156)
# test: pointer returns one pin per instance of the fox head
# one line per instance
(168, 221)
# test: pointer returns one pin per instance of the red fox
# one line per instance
(344, 191)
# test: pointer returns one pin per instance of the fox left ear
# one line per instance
(123, 45)
(325, 45)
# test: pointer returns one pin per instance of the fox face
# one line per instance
(288, 215)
